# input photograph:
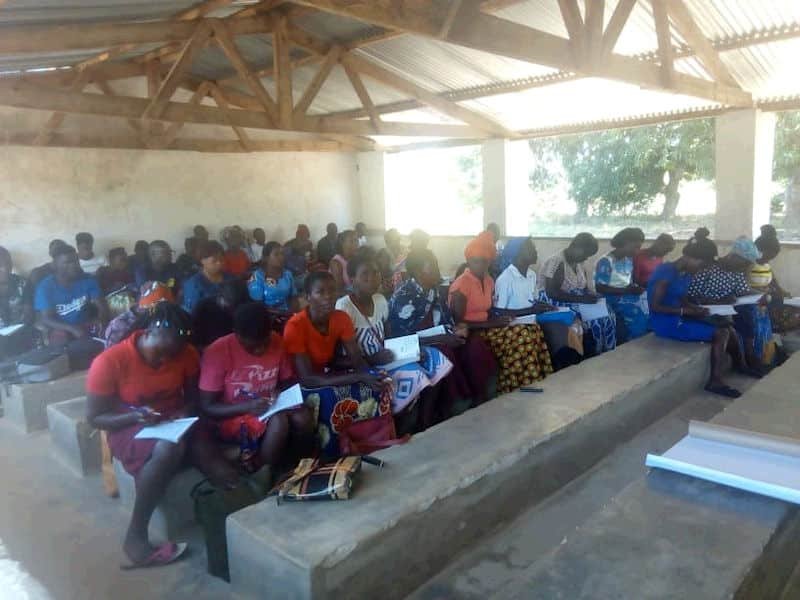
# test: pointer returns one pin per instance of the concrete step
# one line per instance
(457, 482)
(77, 444)
(657, 535)
(175, 513)
(25, 404)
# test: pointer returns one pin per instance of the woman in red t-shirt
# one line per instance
(150, 377)
(237, 263)
(339, 396)
(241, 376)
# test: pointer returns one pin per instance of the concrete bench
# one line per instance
(456, 482)
(77, 443)
(672, 536)
(175, 512)
(25, 404)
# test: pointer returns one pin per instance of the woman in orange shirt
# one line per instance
(339, 393)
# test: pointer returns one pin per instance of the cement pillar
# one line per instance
(371, 182)
(745, 143)
(496, 182)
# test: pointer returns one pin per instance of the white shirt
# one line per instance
(513, 290)
(370, 332)
(255, 252)
(91, 265)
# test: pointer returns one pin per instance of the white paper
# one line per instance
(432, 331)
(751, 299)
(171, 431)
(526, 320)
(287, 399)
(792, 302)
(11, 329)
(721, 310)
(590, 312)
(405, 350)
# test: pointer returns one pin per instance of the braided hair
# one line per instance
(700, 247)
(164, 316)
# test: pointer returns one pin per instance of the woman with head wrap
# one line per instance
(722, 283)
(565, 282)
(784, 318)
(515, 295)
(614, 280)
(520, 350)
(673, 315)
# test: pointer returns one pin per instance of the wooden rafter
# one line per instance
(134, 124)
(363, 96)
(617, 23)
(665, 51)
(593, 39)
(331, 60)
(23, 95)
(172, 131)
(224, 37)
(687, 26)
(283, 70)
(451, 109)
(571, 14)
(222, 102)
(57, 118)
(177, 72)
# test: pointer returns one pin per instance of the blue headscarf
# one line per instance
(510, 252)
(746, 249)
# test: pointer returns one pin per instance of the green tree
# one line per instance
(622, 170)
(786, 164)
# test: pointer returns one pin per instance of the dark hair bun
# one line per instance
(702, 233)
(769, 232)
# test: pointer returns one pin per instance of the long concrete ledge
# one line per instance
(25, 404)
(456, 482)
(672, 536)
(76, 443)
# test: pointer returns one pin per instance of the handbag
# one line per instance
(370, 435)
(212, 506)
(313, 480)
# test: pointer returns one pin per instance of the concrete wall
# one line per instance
(122, 196)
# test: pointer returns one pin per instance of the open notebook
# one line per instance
(171, 431)
(405, 350)
(288, 399)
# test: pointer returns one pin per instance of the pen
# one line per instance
(531, 390)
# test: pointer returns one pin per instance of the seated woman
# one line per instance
(566, 283)
(69, 302)
(273, 284)
(647, 260)
(206, 282)
(521, 351)
(722, 282)
(116, 283)
(158, 267)
(299, 254)
(515, 295)
(672, 315)
(392, 262)
(241, 376)
(416, 306)
(188, 263)
(121, 326)
(150, 377)
(16, 309)
(338, 397)
(762, 279)
(614, 281)
(346, 247)
(369, 312)
(237, 263)
(212, 318)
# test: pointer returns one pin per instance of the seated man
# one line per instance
(241, 376)
(160, 268)
(42, 271)
(69, 302)
(15, 310)
(90, 261)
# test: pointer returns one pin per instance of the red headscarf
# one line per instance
(481, 247)
(153, 292)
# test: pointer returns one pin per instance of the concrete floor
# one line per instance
(65, 533)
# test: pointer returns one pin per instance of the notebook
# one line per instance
(405, 350)
(721, 310)
(750, 299)
(171, 431)
(432, 332)
(289, 398)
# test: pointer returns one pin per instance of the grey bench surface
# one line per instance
(458, 480)
(76, 443)
(25, 404)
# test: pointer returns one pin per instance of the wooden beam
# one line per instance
(57, 118)
(593, 39)
(171, 133)
(363, 96)
(386, 77)
(665, 51)
(25, 39)
(452, 13)
(307, 99)
(615, 26)
(571, 14)
(283, 70)
(24, 95)
(219, 98)
(224, 37)
(177, 72)
(687, 26)
(201, 9)
(137, 126)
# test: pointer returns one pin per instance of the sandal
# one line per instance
(165, 554)
(723, 390)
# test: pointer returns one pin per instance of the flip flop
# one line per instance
(723, 390)
(165, 554)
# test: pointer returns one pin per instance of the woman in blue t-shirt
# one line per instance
(272, 283)
(673, 316)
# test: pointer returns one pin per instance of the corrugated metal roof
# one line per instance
(767, 69)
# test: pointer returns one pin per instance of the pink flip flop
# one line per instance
(165, 554)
